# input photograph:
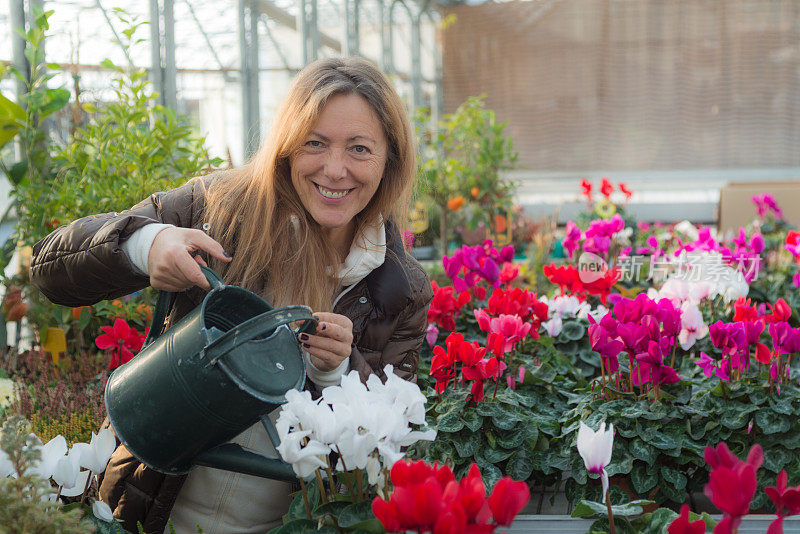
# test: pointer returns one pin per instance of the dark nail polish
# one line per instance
(324, 326)
(304, 337)
(306, 345)
(226, 254)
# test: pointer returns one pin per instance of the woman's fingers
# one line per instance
(324, 360)
(191, 271)
(172, 262)
(197, 239)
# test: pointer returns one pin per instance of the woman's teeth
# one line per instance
(327, 193)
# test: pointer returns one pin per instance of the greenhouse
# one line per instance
(284, 266)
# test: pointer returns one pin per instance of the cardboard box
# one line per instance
(736, 208)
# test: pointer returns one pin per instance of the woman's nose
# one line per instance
(335, 167)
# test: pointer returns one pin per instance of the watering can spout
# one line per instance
(233, 457)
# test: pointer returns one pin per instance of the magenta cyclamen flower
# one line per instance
(652, 369)
(785, 339)
(608, 348)
(729, 338)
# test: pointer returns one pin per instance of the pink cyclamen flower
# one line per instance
(693, 326)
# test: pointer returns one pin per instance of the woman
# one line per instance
(310, 220)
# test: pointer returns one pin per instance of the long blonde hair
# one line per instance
(278, 249)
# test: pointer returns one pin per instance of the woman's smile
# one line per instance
(332, 194)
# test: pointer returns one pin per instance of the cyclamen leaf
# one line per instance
(494, 456)
(591, 508)
(521, 464)
(673, 476)
(472, 419)
(771, 422)
(643, 481)
(355, 514)
(466, 443)
(642, 451)
(450, 422)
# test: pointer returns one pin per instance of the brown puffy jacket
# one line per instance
(83, 263)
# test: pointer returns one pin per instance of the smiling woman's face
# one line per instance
(339, 167)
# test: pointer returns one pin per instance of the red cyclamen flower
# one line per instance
(122, 339)
(783, 497)
(731, 484)
(681, 524)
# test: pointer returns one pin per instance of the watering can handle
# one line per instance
(164, 303)
(257, 326)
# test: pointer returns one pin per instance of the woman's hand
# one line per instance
(172, 264)
(331, 343)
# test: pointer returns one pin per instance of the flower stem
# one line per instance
(322, 493)
(305, 496)
(610, 513)
(350, 486)
(86, 487)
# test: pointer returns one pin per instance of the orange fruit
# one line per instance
(455, 203)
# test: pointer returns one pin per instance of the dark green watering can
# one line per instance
(223, 367)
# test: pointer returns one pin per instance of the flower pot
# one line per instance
(752, 524)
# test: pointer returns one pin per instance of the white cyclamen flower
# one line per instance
(52, 452)
(595, 448)
(68, 474)
(304, 459)
(95, 457)
(102, 511)
(553, 326)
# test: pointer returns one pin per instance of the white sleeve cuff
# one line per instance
(137, 246)
(326, 378)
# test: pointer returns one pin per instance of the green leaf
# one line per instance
(467, 443)
(642, 451)
(664, 442)
(489, 472)
(521, 464)
(673, 477)
(671, 492)
(511, 439)
(494, 456)
(472, 420)
(775, 458)
(643, 481)
(655, 522)
(633, 412)
(102, 527)
(591, 508)
(355, 514)
(573, 330)
(56, 100)
(450, 422)
(333, 508)
(17, 172)
(506, 421)
(771, 422)
(301, 526)
(783, 405)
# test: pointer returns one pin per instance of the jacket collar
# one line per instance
(389, 285)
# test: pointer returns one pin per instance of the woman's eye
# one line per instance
(314, 143)
(360, 149)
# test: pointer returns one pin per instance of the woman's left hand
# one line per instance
(331, 343)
